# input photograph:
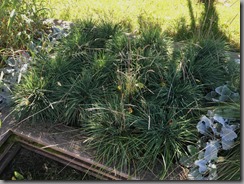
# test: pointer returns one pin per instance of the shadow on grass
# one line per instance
(207, 28)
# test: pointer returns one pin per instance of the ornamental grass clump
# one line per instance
(134, 96)
(207, 63)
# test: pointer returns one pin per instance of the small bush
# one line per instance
(20, 24)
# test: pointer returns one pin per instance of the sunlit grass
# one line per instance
(167, 13)
(117, 10)
(229, 20)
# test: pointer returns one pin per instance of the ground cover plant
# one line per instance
(134, 95)
(220, 138)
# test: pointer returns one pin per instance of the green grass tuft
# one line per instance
(133, 94)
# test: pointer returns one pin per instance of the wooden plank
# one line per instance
(78, 162)
(87, 162)
(10, 153)
(61, 155)
(64, 161)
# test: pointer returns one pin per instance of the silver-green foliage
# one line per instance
(218, 134)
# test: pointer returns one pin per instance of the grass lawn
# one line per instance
(170, 14)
